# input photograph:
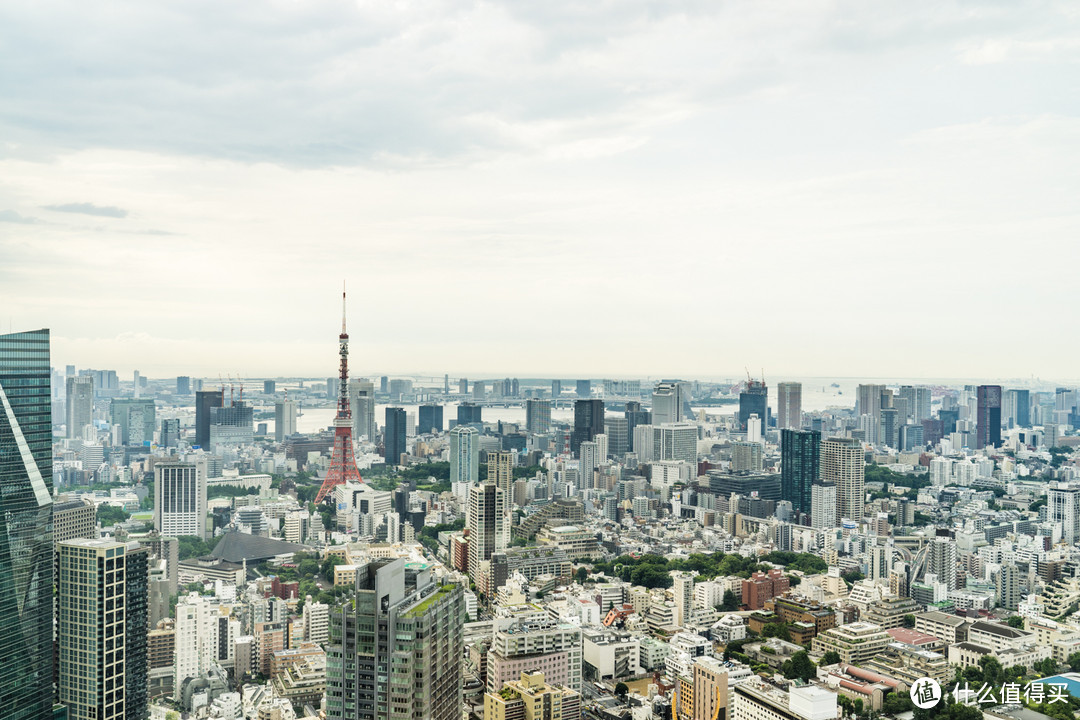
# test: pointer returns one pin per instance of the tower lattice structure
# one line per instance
(342, 461)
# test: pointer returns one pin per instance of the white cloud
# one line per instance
(607, 188)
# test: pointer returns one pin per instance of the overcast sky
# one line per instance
(544, 188)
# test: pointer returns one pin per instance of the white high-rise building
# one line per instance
(590, 460)
(206, 633)
(179, 500)
(316, 621)
(789, 397)
(667, 403)
(823, 506)
(1063, 508)
(843, 464)
(79, 404)
(940, 471)
(682, 590)
(645, 443)
(678, 441)
(464, 455)
(753, 428)
(362, 406)
(284, 419)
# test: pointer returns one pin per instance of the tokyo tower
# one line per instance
(342, 462)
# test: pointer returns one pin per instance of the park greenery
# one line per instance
(109, 515)
(429, 534)
(651, 571)
(189, 546)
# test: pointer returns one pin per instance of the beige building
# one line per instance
(843, 464)
(530, 698)
(577, 542)
(855, 643)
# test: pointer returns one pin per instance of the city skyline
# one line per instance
(805, 155)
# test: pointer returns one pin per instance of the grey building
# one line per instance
(396, 646)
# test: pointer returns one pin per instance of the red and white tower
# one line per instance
(342, 462)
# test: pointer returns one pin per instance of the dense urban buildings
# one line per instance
(525, 562)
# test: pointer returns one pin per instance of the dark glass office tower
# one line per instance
(588, 422)
(468, 413)
(754, 401)
(800, 460)
(394, 435)
(136, 625)
(988, 424)
(635, 416)
(430, 419)
(26, 543)
(204, 400)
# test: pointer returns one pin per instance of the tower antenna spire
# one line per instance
(342, 461)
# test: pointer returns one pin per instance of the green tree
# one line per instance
(328, 565)
(1015, 621)
(830, 658)
(731, 602)
(777, 630)
(857, 706)
(582, 575)
(109, 515)
(1046, 667)
(909, 621)
(1074, 661)
(621, 689)
(799, 667)
(896, 703)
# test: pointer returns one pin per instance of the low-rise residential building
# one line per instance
(856, 642)
(949, 628)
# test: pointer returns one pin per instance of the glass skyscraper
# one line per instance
(800, 461)
(26, 543)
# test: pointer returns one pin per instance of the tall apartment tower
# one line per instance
(395, 650)
(464, 455)
(941, 561)
(362, 403)
(501, 472)
(843, 465)
(635, 416)
(487, 524)
(789, 398)
(204, 400)
(800, 463)
(617, 429)
(394, 434)
(1063, 508)
(102, 630)
(26, 564)
(1016, 408)
(80, 404)
(284, 419)
(868, 402)
(988, 423)
(179, 500)
(537, 416)
(588, 422)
